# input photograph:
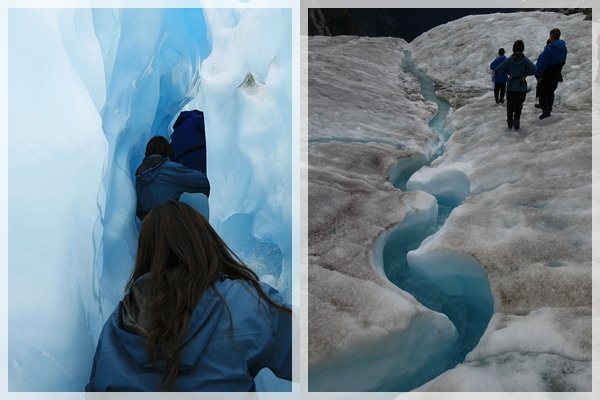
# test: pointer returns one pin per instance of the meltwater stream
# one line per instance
(453, 284)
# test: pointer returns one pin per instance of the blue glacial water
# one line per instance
(453, 284)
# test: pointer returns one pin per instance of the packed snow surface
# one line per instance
(88, 88)
(526, 215)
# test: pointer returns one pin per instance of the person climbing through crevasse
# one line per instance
(518, 67)
(188, 140)
(188, 147)
(194, 317)
(499, 79)
(549, 70)
(158, 180)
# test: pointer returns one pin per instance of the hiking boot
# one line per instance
(544, 115)
(517, 124)
(510, 123)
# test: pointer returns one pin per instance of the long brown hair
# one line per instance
(186, 256)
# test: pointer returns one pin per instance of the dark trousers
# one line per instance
(549, 85)
(499, 89)
(550, 78)
(514, 105)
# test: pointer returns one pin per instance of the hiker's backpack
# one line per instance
(521, 72)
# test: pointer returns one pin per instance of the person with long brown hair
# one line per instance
(194, 317)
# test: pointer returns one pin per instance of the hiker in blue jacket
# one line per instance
(518, 67)
(188, 140)
(158, 179)
(194, 317)
(549, 70)
(499, 79)
(538, 87)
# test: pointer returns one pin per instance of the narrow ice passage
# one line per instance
(453, 284)
(109, 79)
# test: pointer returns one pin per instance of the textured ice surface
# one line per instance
(528, 220)
(87, 90)
(341, 67)
(55, 172)
(351, 203)
(391, 363)
(448, 185)
(527, 217)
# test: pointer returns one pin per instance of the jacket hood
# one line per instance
(558, 44)
(134, 320)
(150, 167)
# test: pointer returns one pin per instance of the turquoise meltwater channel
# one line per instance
(455, 285)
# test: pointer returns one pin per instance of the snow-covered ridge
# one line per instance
(527, 220)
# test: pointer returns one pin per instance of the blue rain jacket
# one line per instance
(498, 78)
(158, 180)
(214, 357)
(188, 140)
(518, 67)
(554, 55)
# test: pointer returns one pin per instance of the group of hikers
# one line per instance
(510, 77)
(171, 169)
(194, 317)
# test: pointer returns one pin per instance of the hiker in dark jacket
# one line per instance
(538, 87)
(194, 318)
(188, 140)
(158, 180)
(518, 67)
(549, 70)
(499, 79)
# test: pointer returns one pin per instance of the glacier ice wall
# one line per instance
(57, 155)
(87, 90)
(155, 56)
(246, 93)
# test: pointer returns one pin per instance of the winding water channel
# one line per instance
(453, 284)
